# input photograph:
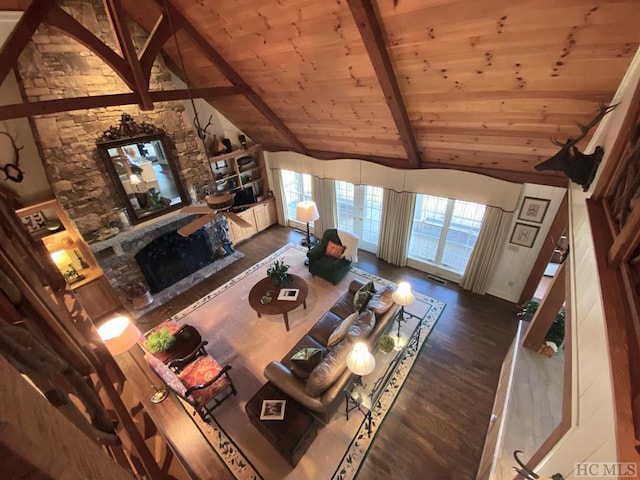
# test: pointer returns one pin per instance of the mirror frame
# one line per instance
(126, 133)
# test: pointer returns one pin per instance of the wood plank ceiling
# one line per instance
(475, 85)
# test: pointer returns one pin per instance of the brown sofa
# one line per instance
(322, 392)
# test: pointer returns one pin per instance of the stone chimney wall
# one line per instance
(56, 66)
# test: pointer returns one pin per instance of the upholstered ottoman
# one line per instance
(290, 436)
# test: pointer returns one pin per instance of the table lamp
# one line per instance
(360, 361)
(307, 211)
(135, 181)
(403, 297)
(63, 261)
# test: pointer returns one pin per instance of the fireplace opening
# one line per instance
(171, 257)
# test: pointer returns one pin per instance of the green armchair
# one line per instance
(327, 267)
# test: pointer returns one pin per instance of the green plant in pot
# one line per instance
(160, 340)
(386, 343)
(556, 331)
(278, 273)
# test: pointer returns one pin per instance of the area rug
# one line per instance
(238, 337)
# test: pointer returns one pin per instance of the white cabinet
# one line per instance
(260, 216)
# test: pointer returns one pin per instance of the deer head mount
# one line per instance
(12, 170)
(577, 166)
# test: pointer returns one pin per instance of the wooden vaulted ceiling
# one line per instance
(475, 85)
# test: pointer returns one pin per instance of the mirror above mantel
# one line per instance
(143, 168)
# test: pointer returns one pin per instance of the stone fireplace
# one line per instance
(172, 257)
(172, 263)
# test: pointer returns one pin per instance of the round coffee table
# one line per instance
(277, 307)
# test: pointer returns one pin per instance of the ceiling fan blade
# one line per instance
(241, 222)
(197, 224)
(195, 209)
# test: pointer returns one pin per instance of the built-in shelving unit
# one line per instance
(47, 221)
(239, 169)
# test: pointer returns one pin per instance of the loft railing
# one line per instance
(614, 212)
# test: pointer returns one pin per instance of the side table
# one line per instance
(187, 340)
(365, 395)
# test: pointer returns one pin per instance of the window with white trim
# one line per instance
(297, 188)
(444, 231)
(360, 212)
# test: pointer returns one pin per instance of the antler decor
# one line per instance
(202, 131)
(12, 170)
(577, 166)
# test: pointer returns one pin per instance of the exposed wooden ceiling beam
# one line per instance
(20, 110)
(371, 34)
(233, 76)
(123, 37)
(162, 31)
(21, 34)
(61, 20)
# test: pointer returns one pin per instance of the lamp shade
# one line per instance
(135, 179)
(61, 259)
(403, 295)
(360, 361)
(307, 211)
(119, 335)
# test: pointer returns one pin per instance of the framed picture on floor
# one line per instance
(533, 209)
(524, 235)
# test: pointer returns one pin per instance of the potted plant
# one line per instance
(160, 340)
(386, 343)
(278, 273)
(138, 294)
(556, 331)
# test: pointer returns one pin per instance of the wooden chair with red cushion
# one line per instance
(198, 379)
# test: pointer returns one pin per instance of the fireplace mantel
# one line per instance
(135, 232)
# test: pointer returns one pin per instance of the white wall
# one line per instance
(592, 436)
(35, 185)
(220, 125)
(515, 263)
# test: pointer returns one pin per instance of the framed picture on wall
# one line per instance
(524, 235)
(533, 209)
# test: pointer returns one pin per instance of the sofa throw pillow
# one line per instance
(341, 330)
(362, 326)
(305, 360)
(361, 297)
(334, 250)
(329, 370)
(381, 301)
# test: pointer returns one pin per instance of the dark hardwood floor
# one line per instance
(437, 426)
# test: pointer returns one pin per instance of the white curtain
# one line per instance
(395, 226)
(324, 194)
(278, 193)
(485, 253)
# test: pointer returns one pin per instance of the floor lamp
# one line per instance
(306, 212)
(119, 335)
(403, 296)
